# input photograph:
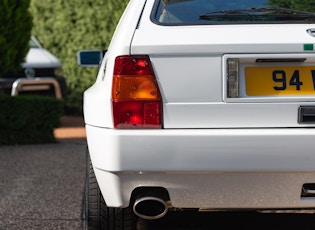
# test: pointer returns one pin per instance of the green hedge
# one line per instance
(29, 119)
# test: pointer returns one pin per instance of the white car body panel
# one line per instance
(185, 150)
(213, 152)
(217, 39)
(213, 191)
(198, 172)
(40, 58)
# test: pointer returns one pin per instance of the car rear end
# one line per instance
(216, 108)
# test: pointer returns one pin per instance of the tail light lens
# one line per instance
(135, 93)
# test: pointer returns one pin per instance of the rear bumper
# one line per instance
(218, 169)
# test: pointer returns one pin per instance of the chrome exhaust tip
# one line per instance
(150, 208)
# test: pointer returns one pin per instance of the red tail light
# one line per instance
(135, 93)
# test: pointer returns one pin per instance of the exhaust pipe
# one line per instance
(150, 208)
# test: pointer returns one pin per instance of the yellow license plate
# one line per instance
(280, 80)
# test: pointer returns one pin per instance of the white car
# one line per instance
(38, 57)
(201, 104)
(41, 73)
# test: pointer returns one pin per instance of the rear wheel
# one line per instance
(97, 214)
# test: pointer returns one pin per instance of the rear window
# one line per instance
(183, 12)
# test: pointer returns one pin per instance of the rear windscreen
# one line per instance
(183, 12)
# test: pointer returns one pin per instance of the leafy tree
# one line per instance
(15, 33)
(65, 27)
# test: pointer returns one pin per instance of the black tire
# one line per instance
(97, 214)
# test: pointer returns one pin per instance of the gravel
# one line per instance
(42, 186)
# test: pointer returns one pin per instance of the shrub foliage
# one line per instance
(29, 119)
(302, 5)
(15, 27)
(65, 27)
